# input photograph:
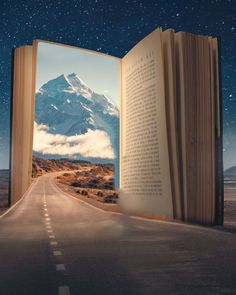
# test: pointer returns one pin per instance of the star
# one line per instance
(114, 27)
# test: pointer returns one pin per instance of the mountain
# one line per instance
(230, 172)
(69, 107)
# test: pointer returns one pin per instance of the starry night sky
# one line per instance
(114, 27)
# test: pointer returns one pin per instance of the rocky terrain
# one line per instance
(83, 178)
(94, 181)
(41, 166)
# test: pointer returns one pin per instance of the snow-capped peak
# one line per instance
(78, 86)
(70, 90)
(75, 78)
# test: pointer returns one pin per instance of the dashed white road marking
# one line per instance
(48, 219)
(44, 193)
(53, 243)
(51, 237)
(64, 290)
(45, 209)
(60, 267)
(57, 253)
(46, 214)
(50, 231)
(48, 227)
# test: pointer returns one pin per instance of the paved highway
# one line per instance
(51, 243)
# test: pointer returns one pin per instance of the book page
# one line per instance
(145, 173)
(21, 122)
(169, 61)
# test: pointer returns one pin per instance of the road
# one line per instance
(51, 243)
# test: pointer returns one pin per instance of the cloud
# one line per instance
(93, 144)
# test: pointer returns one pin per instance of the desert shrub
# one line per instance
(100, 194)
(108, 199)
(108, 186)
(115, 195)
(75, 183)
(110, 196)
(93, 183)
(78, 191)
(84, 193)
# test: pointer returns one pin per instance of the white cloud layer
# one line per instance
(93, 144)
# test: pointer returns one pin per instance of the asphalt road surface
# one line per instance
(51, 243)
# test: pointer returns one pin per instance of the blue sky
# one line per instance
(114, 27)
(99, 71)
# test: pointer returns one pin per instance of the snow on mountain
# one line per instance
(78, 86)
(69, 107)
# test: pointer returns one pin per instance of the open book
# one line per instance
(155, 114)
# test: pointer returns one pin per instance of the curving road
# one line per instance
(50, 243)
